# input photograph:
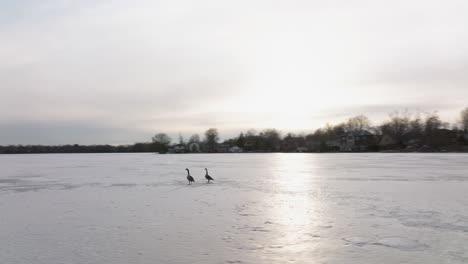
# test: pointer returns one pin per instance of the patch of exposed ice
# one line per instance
(358, 241)
(459, 255)
(401, 243)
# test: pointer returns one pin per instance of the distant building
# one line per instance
(359, 140)
(301, 149)
(411, 139)
(235, 149)
(312, 145)
(250, 145)
(292, 143)
(222, 148)
(179, 148)
(333, 145)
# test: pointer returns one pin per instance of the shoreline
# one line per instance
(214, 153)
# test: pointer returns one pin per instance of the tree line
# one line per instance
(403, 127)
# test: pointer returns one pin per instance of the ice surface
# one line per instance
(262, 208)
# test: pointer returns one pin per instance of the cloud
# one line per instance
(147, 66)
(68, 132)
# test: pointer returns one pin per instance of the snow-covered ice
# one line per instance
(261, 208)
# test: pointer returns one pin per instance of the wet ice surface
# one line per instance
(262, 208)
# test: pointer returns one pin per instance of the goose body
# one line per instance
(207, 176)
(190, 179)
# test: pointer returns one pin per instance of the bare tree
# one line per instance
(211, 138)
(270, 139)
(464, 119)
(181, 139)
(195, 138)
(251, 133)
(356, 123)
(397, 126)
(432, 123)
(416, 126)
(240, 141)
(161, 141)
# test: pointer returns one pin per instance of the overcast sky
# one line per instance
(102, 71)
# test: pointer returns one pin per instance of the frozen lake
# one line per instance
(262, 208)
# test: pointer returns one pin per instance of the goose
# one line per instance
(189, 177)
(208, 177)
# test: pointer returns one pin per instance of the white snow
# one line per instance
(261, 208)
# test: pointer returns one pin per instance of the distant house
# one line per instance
(292, 143)
(301, 149)
(249, 145)
(222, 148)
(333, 144)
(179, 148)
(235, 149)
(359, 140)
(411, 139)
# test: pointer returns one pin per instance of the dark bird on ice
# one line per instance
(189, 177)
(208, 177)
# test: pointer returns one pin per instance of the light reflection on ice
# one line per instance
(293, 208)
